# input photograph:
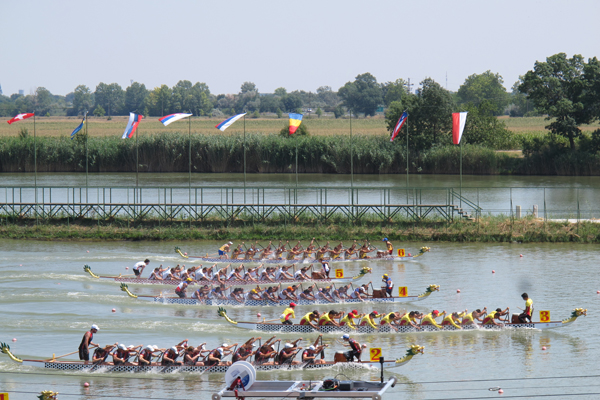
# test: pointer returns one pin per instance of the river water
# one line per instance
(48, 303)
(554, 196)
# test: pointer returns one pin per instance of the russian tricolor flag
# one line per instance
(167, 119)
(399, 125)
(295, 121)
(134, 121)
(227, 123)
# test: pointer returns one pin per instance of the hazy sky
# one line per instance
(296, 45)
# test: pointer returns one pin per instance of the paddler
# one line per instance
(266, 252)
(491, 318)
(429, 319)
(389, 319)
(454, 319)
(369, 320)
(409, 319)
(283, 274)
(470, 318)
(170, 356)
(309, 356)
(145, 358)
(121, 356)
(280, 250)
(224, 250)
(310, 249)
(526, 315)
(365, 250)
(180, 289)
(329, 318)
(321, 252)
(289, 293)
(350, 251)
(288, 314)
(271, 293)
(311, 318)
(289, 351)
(250, 252)
(389, 246)
(301, 274)
(336, 251)
(348, 320)
(245, 351)
(86, 342)
(237, 251)
(102, 353)
(138, 268)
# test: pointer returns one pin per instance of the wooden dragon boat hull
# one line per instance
(235, 282)
(269, 303)
(422, 251)
(281, 328)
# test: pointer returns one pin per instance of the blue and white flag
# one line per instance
(80, 127)
(167, 119)
(225, 124)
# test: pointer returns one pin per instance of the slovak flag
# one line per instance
(134, 121)
(20, 117)
(228, 122)
(167, 119)
(295, 121)
(399, 125)
(458, 126)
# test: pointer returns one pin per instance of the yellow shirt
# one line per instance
(306, 319)
(386, 319)
(406, 320)
(368, 321)
(390, 247)
(222, 248)
(324, 319)
(528, 307)
(348, 320)
(287, 311)
(467, 319)
(489, 318)
(429, 320)
(450, 321)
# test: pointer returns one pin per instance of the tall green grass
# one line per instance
(265, 153)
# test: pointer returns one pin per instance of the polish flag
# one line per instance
(458, 126)
(20, 117)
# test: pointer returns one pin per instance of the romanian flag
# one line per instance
(295, 121)
(80, 127)
(167, 119)
(20, 117)
(134, 121)
(399, 125)
(458, 125)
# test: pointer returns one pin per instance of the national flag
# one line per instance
(399, 125)
(167, 119)
(227, 123)
(295, 121)
(134, 121)
(80, 127)
(458, 125)
(20, 117)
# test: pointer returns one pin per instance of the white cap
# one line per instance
(149, 347)
(312, 348)
(95, 327)
(131, 346)
(289, 345)
(229, 242)
(224, 345)
(154, 347)
(346, 336)
(174, 349)
(202, 346)
(122, 346)
(254, 345)
(220, 350)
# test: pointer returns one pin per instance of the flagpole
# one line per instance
(137, 159)
(244, 158)
(190, 157)
(86, 158)
(35, 163)
(351, 161)
(461, 157)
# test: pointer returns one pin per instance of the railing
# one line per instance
(323, 203)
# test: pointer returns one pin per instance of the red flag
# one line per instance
(458, 125)
(20, 117)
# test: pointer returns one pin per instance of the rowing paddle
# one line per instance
(64, 355)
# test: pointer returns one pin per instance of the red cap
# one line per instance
(436, 312)
(354, 312)
(292, 304)
(351, 315)
(375, 312)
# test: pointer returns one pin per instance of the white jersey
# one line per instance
(138, 265)
(298, 274)
(279, 273)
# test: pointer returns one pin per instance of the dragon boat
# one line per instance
(269, 303)
(296, 328)
(157, 368)
(206, 258)
(233, 282)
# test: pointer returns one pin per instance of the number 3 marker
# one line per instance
(544, 316)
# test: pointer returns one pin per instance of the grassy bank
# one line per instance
(488, 229)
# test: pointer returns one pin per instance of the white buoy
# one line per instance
(14, 339)
(457, 290)
(543, 347)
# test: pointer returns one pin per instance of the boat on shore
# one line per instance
(229, 283)
(157, 368)
(380, 257)
(268, 327)
(269, 303)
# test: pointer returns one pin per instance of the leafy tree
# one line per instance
(110, 97)
(339, 111)
(159, 101)
(270, 103)
(319, 112)
(566, 90)
(363, 95)
(42, 100)
(301, 131)
(83, 99)
(483, 128)
(394, 91)
(279, 112)
(328, 97)
(485, 87)
(136, 97)
(99, 111)
(203, 102)
(248, 98)
(280, 91)
(291, 102)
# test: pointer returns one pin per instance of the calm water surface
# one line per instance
(48, 303)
